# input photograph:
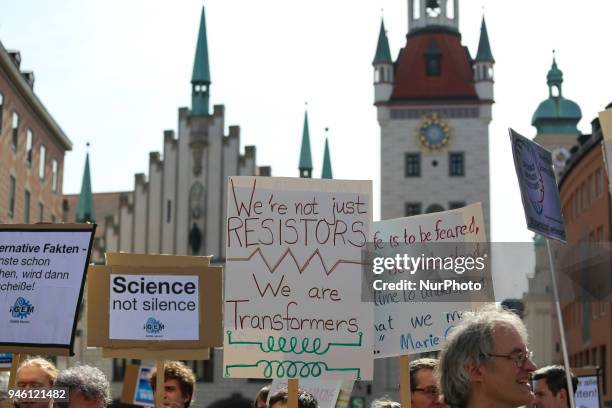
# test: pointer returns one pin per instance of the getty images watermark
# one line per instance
(394, 267)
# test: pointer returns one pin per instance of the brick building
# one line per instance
(586, 209)
(32, 148)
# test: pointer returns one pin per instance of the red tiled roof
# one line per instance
(456, 80)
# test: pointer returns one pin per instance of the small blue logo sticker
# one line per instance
(153, 326)
(22, 309)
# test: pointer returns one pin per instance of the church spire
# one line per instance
(484, 48)
(383, 53)
(305, 165)
(85, 207)
(200, 79)
(326, 172)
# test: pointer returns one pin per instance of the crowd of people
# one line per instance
(484, 363)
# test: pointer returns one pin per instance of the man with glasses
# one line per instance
(424, 390)
(485, 362)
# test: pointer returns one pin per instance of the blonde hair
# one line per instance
(45, 365)
(385, 403)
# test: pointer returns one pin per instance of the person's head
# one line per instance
(179, 384)
(424, 389)
(305, 399)
(485, 360)
(551, 387)
(385, 403)
(261, 399)
(87, 387)
(35, 372)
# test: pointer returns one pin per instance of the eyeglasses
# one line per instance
(519, 357)
(432, 391)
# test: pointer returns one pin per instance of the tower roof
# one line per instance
(456, 79)
(85, 207)
(383, 53)
(201, 71)
(326, 172)
(556, 114)
(305, 154)
(484, 48)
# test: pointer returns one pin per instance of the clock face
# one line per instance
(433, 132)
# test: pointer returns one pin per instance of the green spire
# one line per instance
(85, 208)
(326, 173)
(484, 48)
(200, 79)
(383, 54)
(554, 76)
(305, 165)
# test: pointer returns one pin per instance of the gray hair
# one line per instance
(88, 381)
(471, 341)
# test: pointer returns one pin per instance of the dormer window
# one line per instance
(433, 61)
(432, 8)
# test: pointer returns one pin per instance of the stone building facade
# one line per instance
(434, 106)
(32, 148)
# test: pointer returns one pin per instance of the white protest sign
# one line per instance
(418, 315)
(41, 280)
(153, 307)
(324, 391)
(293, 279)
(587, 394)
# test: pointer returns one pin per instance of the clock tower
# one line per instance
(434, 108)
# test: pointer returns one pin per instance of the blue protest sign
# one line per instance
(539, 190)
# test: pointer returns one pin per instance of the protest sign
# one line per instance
(136, 388)
(162, 307)
(539, 191)
(167, 306)
(6, 360)
(293, 279)
(42, 274)
(325, 391)
(587, 394)
(415, 318)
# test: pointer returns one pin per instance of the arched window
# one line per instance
(450, 9)
(416, 9)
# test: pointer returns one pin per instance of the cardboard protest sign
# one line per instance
(293, 279)
(173, 306)
(42, 274)
(416, 318)
(136, 388)
(539, 191)
(325, 391)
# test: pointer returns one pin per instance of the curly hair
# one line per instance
(305, 399)
(86, 380)
(177, 370)
(39, 362)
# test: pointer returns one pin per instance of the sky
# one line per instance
(115, 72)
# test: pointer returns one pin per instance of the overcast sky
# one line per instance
(115, 72)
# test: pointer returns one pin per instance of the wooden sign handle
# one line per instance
(13, 373)
(160, 381)
(405, 381)
(292, 391)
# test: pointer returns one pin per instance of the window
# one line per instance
(53, 219)
(26, 207)
(169, 211)
(456, 204)
(598, 182)
(41, 212)
(11, 206)
(450, 9)
(15, 140)
(202, 369)
(28, 155)
(412, 209)
(433, 64)
(416, 9)
(41, 166)
(604, 368)
(412, 165)
(456, 164)
(54, 175)
(434, 208)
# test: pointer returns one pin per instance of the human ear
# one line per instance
(474, 371)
